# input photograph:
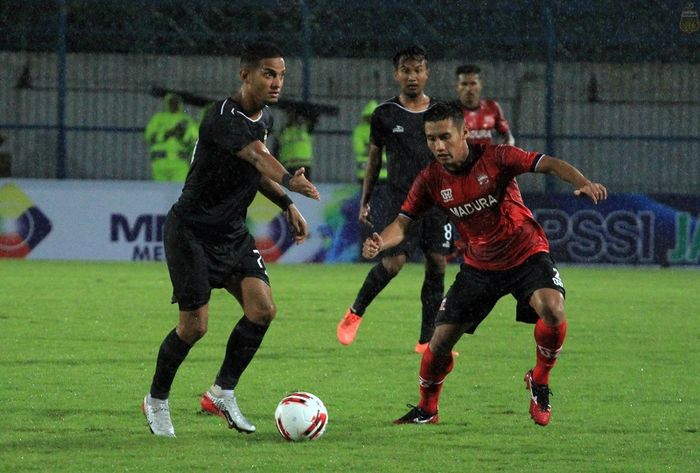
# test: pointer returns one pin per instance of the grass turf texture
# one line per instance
(79, 343)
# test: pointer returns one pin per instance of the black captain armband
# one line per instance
(282, 201)
(285, 180)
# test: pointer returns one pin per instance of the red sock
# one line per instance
(549, 341)
(433, 370)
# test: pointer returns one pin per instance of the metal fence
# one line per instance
(73, 109)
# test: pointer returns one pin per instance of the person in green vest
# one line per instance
(296, 144)
(360, 145)
(171, 135)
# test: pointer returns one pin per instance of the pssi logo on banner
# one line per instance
(22, 224)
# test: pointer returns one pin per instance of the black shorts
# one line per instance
(196, 266)
(431, 233)
(475, 291)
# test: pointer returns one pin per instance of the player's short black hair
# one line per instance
(443, 111)
(468, 69)
(414, 52)
(255, 52)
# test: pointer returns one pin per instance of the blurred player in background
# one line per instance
(481, 116)
(507, 251)
(208, 245)
(397, 128)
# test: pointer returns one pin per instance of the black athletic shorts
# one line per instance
(196, 265)
(431, 233)
(475, 291)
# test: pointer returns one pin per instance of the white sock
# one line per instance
(218, 392)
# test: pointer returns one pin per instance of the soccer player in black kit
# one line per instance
(207, 243)
(397, 127)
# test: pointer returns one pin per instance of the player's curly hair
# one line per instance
(443, 111)
(255, 52)
(415, 52)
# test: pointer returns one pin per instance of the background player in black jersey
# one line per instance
(208, 245)
(397, 127)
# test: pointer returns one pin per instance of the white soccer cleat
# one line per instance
(227, 407)
(157, 412)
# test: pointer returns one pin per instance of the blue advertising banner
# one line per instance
(624, 229)
(112, 220)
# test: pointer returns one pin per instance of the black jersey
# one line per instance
(220, 186)
(401, 133)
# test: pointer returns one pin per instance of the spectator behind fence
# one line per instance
(171, 135)
(360, 145)
(296, 143)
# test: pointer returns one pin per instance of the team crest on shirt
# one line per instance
(483, 179)
(397, 129)
(446, 195)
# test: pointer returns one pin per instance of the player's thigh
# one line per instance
(256, 300)
(250, 285)
(539, 290)
(187, 265)
(469, 300)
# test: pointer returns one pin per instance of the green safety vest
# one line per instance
(295, 146)
(360, 145)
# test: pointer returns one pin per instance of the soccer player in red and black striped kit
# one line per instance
(506, 252)
(481, 116)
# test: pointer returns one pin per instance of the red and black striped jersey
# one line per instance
(481, 122)
(484, 203)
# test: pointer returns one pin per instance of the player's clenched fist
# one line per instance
(372, 246)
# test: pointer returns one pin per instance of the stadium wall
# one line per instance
(123, 220)
(632, 126)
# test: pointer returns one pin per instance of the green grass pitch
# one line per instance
(78, 343)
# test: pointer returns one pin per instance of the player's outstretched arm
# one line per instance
(257, 154)
(374, 166)
(390, 237)
(566, 172)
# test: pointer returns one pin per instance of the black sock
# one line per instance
(376, 280)
(172, 353)
(431, 296)
(242, 344)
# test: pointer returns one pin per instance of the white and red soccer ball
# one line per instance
(301, 416)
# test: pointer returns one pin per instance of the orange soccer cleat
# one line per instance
(347, 327)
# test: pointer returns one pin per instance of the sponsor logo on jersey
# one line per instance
(397, 129)
(483, 179)
(478, 134)
(475, 205)
(446, 195)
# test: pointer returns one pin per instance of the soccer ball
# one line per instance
(301, 416)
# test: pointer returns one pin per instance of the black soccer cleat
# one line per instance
(417, 416)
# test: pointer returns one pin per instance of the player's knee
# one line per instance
(552, 311)
(435, 264)
(393, 265)
(191, 333)
(262, 314)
